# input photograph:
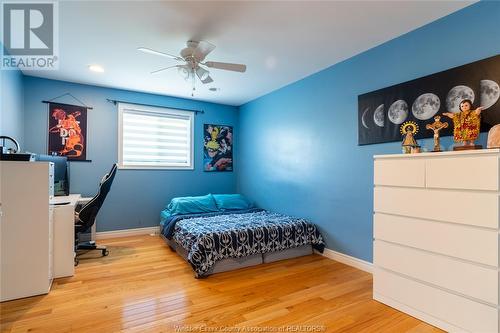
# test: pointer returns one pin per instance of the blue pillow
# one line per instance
(191, 205)
(232, 201)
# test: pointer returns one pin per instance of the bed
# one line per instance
(218, 239)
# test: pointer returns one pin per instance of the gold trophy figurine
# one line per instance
(436, 126)
(410, 145)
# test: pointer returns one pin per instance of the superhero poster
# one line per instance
(217, 148)
(68, 131)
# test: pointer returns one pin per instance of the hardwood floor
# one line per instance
(142, 286)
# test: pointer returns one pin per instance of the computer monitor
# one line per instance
(61, 175)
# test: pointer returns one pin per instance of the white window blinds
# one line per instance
(153, 137)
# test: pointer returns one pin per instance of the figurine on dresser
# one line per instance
(437, 126)
(466, 125)
(409, 144)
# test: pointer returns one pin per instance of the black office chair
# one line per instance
(85, 217)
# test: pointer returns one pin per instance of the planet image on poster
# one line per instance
(490, 92)
(425, 106)
(363, 119)
(456, 95)
(378, 116)
(398, 112)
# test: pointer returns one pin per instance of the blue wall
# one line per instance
(137, 196)
(11, 104)
(298, 145)
(298, 151)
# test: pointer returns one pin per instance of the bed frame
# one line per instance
(231, 264)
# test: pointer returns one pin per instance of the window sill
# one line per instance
(138, 167)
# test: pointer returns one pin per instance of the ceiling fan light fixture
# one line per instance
(183, 71)
(202, 73)
(192, 59)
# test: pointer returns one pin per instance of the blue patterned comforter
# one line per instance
(208, 239)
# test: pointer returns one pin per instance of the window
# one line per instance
(154, 137)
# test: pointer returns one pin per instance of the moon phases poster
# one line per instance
(381, 112)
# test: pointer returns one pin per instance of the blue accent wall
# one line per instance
(11, 104)
(298, 145)
(137, 196)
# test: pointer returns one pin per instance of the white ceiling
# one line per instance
(280, 42)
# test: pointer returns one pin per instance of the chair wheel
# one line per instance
(105, 252)
(77, 262)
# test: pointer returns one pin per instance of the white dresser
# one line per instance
(26, 228)
(436, 237)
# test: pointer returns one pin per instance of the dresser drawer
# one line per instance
(469, 279)
(473, 244)
(400, 172)
(462, 312)
(475, 173)
(465, 207)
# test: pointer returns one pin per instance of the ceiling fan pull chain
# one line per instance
(193, 80)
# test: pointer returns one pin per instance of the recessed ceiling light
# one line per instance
(271, 62)
(96, 68)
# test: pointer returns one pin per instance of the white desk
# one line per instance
(64, 235)
(73, 199)
(36, 236)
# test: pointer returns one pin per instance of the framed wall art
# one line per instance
(217, 147)
(381, 112)
(67, 131)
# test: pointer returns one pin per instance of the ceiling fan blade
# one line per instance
(204, 48)
(207, 80)
(163, 69)
(150, 51)
(226, 66)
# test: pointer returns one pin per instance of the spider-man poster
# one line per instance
(68, 131)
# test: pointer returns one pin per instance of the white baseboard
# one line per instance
(127, 232)
(348, 260)
(416, 313)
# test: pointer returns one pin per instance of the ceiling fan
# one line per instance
(193, 62)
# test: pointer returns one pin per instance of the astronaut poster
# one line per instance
(217, 148)
(67, 131)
